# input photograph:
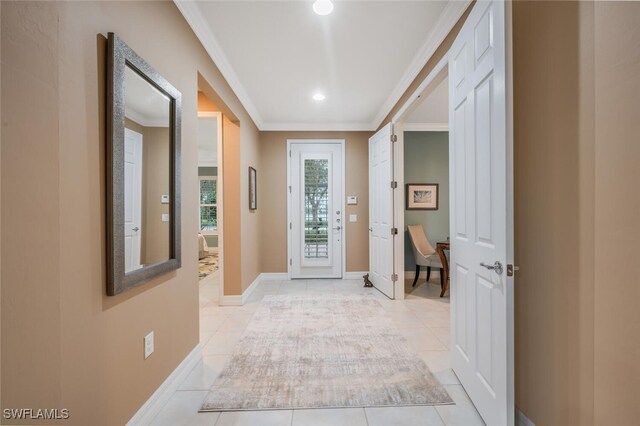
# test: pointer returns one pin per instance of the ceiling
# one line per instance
(432, 109)
(277, 54)
(143, 103)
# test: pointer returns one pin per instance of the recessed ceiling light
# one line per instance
(323, 7)
(319, 97)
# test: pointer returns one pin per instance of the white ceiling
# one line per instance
(363, 56)
(143, 103)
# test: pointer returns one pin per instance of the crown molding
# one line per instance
(200, 27)
(192, 14)
(451, 14)
(318, 127)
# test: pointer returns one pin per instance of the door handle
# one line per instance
(497, 267)
(337, 228)
(136, 229)
(370, 229)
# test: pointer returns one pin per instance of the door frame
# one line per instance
(341, 142)
(219, 198)
(399, 128)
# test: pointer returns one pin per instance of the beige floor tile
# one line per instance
(236, 322)
(403, 416)
(463, 413)
(204, 373)
(422, 339)
(211, 322)
(222, 343)
(256, 418)
(443, 334)
(182, 409)
(330, 417)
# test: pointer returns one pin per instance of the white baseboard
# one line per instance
(522, 420)
(354, 275)
(159, 398)
(274, 276)
(235, 300)
(247, 293)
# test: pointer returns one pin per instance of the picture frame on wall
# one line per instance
(422, 196)
(253, 189)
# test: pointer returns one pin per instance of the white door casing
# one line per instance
(481, 214)
(316, 222)
(381, 239)
(132, 199)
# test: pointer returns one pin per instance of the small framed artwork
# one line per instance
(253, 189)
(422, 196)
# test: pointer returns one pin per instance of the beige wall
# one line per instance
(576, 85)
(64, 342)
(272, 197)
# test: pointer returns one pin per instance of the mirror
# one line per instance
(143, 171)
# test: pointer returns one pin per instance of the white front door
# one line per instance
(132, 199)
(481, 214)
(381, 256)
(316, 221)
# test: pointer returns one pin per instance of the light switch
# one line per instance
(165, 217)
(164, 199)
(352, 199)
(353, 218)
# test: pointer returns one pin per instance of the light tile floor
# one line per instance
(423, 317)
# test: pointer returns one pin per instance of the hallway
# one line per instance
(423, 318)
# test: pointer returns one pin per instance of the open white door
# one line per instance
(132, 199)
(381, 255)
(482, 214)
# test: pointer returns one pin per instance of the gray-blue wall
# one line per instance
(426, 160)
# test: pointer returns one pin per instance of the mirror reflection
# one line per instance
(147, 168)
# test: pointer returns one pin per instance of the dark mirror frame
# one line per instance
(119, 56)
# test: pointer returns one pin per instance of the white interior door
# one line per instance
(132, 199)
(482, 214)
(316, 175)
(381, 254)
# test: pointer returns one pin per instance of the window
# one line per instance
(208, 205)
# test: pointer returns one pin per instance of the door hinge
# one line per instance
(394, 184)
(290, 261)
(394, 138)
(289, 189)
(289, 153)
(290, 226)
(394, 231)
(511, 269)
(394, 277)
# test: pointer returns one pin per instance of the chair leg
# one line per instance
(415, 280)
(428, 273)
(441, 278)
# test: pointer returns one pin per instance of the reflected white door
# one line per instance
(481, 214)
(132, 199)
(316, 221)
(381, 256)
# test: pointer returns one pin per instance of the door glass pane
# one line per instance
(316, 214)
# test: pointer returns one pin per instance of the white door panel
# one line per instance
(132, 199)
(315, 206)
(381, 254)
(482, 307)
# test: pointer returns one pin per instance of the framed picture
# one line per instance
(253, 189)
(422, 196)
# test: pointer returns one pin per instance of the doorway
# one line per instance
(315, 193)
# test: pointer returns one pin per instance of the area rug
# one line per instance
(208, 265)
(326, 351)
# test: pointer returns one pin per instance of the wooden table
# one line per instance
(440, 248)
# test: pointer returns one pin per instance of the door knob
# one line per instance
(370, 229)
(136, 229)
(497, 267)
(337, 228)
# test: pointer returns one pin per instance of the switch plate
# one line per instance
(352, 199)
(164, 199)
(165, 217)
(353, 218)
(148, 345)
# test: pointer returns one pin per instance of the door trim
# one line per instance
(342, 202)
(220, 196)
